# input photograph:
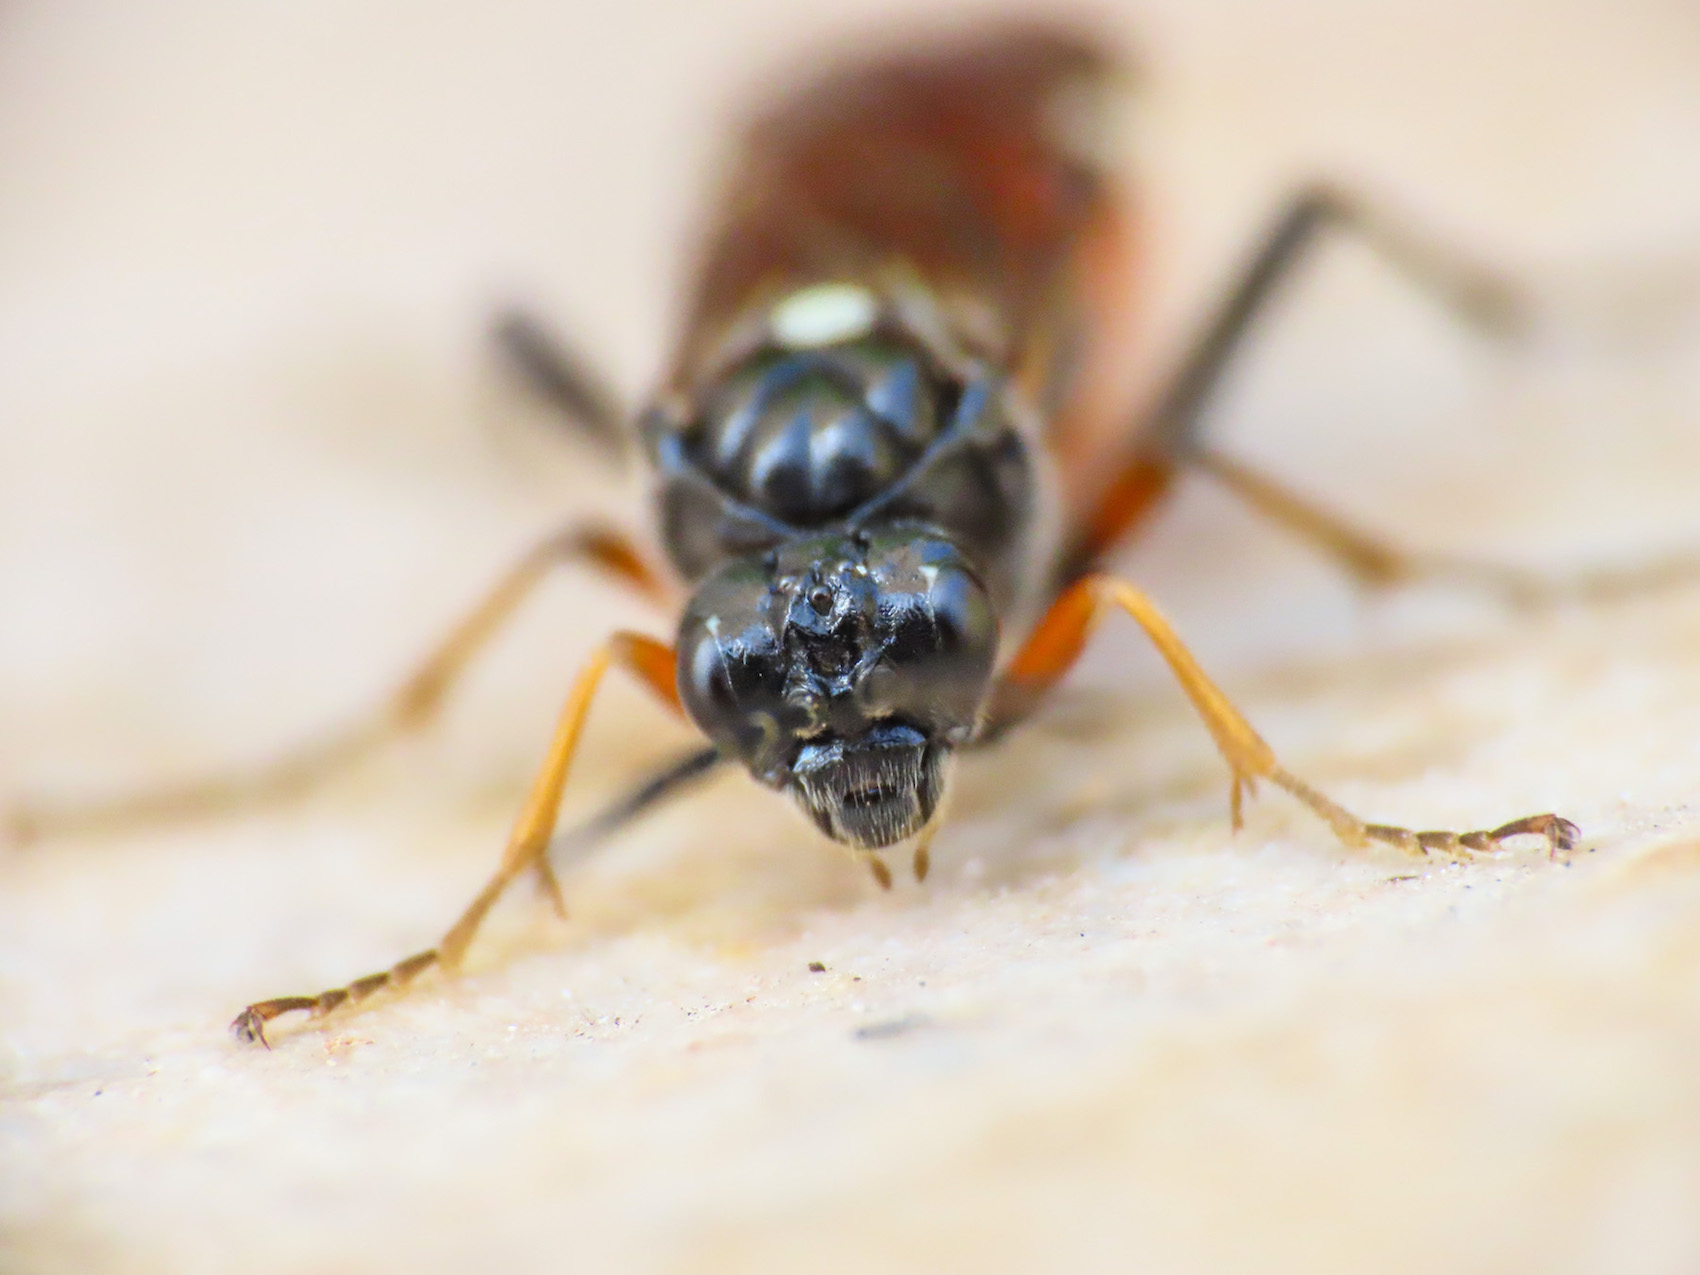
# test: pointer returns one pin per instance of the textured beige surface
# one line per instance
(252, 455)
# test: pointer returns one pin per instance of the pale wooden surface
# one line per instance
(251, 456)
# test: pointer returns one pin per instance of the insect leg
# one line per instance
(667, 782)
(528, 844)
(1470, 291)
(558, 374)
(1368, 559)
(409, 708)
(1172, 435)
(1061, 636)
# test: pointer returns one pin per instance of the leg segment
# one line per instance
(1374, 563)
(1475, 294)
(1061, 636)
(409, 708)
(1171, 434)
(528, 843)
(559, 375)
(1369, 560)
(665, 783)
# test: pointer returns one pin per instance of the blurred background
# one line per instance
(255, 453)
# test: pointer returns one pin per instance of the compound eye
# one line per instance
(939, 636)
(705, 681)
(731, 669)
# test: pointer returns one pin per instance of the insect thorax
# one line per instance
(839, 417)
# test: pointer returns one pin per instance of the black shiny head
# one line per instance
(843, 669)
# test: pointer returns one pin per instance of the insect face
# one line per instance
(843, 669)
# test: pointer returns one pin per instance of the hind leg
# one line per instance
(409, 708)
(1172, 437)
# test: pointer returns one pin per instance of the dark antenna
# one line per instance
(562, 377)
(681, 774)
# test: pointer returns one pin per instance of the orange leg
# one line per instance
(1368, 559)
(1365, 557)
(1374, 563)
(528, 843)
(1134, 493)
(1061, 636)
(1172, 436)
(409, 708)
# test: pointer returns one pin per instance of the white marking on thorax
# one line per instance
(823, 314)
(1088, 119)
